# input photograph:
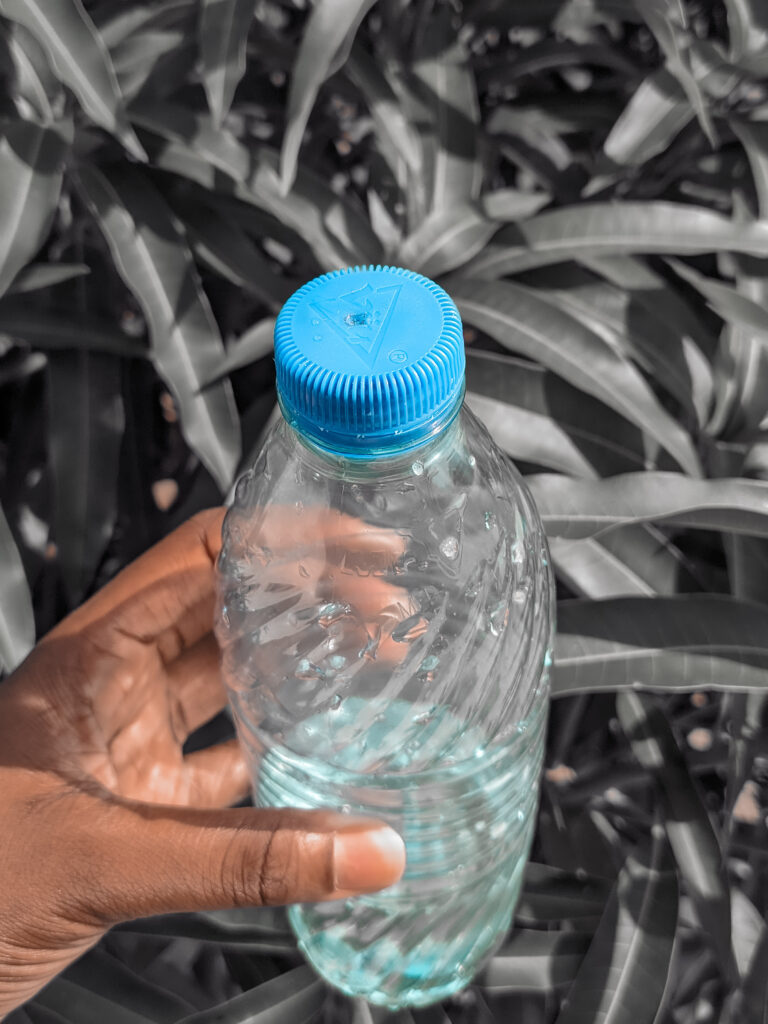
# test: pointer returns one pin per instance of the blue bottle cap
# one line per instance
(369, 359)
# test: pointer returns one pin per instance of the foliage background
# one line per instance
(589, 179)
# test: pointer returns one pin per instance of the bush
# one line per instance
(589, 180)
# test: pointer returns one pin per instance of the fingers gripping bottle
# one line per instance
(385, 617)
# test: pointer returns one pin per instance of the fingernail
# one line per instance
(367, 860)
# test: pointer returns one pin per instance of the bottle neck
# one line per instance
(381, 463)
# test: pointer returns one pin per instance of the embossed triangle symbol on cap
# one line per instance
(360, 318)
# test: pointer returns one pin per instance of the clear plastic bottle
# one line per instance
(385, 617)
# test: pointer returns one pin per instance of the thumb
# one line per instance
(146, 859)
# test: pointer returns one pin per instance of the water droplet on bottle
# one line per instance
(449, 547)
(490, 520)
(472, 460)
(356, 493)
(518, 553)
(303, 571)
(417, 468)
(429, 663)
(498, 618)
(299, 507)
(332, 612)
(520, 595)
(336, 701)
(346, 808)
(337, 661)
(424, 717)
(410, 629)
(307, 670)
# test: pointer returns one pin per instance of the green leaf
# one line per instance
(535, 961)
(31, 169)
(522, 321)
(256, 934)
(447, 88)
(577, 508)
(689, 829)
(154, 63)
(44, 275)
(657, 112)
(329, 24)
(447, 238)
(295, 997)
(17, 620)
(224, 28)
(747, 27)
(675, 644)
(120, 21)
(620, 228)
(255, 343)
(753, 998)
(624, 973)
(51, 330)
(85, 431)
(80, 60)
(152, 257)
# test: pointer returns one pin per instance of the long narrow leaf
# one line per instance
(17, 620)
(657, 111)
(579, 508)
(523, 322)
(80, 60)
(44, 275)
(223, 36)
(535, 961)
(623, 975)
(676, 644)
(49, 329)
(330, 22)
(152, 257)
(688, 825)
(254, 344)
(85, 427)
(31, 169)
(625, 228)
(295, 997)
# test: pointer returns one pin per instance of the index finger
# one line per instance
(170, 585)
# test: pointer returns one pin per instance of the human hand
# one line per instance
(104, 819)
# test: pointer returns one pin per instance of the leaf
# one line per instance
(251, 935)
(624, 973)
(689, 828)
(120, 21)
(224, 28)
(33, 79)
(727, 302)
(586, 508)
(328, 25)
(672, 644)
(31, 169)
(105, 975)
(520, 320)
(551, 895)
(598, 441)
(151, 255)
(656, 112)
(45, 275)
(446, 84)
(395, 135)
(79, 59)
(447, 238)
(628, 561)
(223, 246)
(154, 63)
(17, 620)
(77, 1004)
(255, 343)
(619, 228)
(295, 997)
(52, 330)
(747, 27)
(535, 961)
(753, 1003)
(85, 431)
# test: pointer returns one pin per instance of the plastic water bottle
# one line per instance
(385, 617)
